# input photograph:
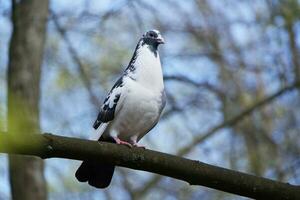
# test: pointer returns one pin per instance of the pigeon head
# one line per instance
(153, 38)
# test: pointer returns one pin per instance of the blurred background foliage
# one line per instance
(220, 58)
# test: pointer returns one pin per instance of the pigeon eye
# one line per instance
(152, 35)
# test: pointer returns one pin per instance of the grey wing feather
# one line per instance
(163, 101)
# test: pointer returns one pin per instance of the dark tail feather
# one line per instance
(96, 173)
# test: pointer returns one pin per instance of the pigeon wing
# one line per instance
(107, 111)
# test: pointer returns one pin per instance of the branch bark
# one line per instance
(191, 171)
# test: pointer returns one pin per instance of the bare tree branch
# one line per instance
(84, 76)
(191, 171)
(184, 79)
(234, 120)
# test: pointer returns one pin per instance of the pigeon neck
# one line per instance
(147, 67)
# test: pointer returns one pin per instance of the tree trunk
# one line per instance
(29, 19)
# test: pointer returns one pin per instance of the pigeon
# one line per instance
(131, 109)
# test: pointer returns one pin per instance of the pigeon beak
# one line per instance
(160, 40)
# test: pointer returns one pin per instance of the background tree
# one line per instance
(25, 59)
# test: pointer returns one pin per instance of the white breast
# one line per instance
(148, 69)
(141, 107)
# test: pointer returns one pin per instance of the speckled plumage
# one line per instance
(134, 104)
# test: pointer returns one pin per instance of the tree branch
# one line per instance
(237, 118)
(187, 80)
(191, 171)
(76, 58)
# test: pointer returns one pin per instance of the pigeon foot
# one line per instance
(119, 141)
